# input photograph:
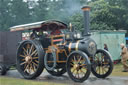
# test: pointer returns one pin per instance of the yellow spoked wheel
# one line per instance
(78, 66)
(30, 59)
(102, 65)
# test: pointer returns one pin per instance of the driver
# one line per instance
(55, 32)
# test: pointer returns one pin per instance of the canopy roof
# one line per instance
(43, 25)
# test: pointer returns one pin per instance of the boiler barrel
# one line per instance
(87, 45)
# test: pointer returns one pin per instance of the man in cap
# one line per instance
(124, 58)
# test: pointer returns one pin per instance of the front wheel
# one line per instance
(78, 66)
(102, 64)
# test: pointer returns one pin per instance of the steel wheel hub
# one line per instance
(28, 59)
(76, 66)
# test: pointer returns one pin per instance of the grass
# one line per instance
(14, 81)
(117, 71)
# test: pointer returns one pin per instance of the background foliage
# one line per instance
(105, 14)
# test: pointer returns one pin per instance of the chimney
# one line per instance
(86, 10)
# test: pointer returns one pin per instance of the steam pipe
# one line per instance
(86, 10)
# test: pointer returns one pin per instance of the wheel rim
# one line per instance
(78, 67)
(50, 61)
(28, 58)
(101, 64)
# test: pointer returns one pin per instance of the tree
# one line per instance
(105, 16)
(39, 10)
(19, 12)
(13, 12)
(4, 14)
(102, 18)
(77, 21)
(122, 13)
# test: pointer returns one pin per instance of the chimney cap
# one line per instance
(86, 8)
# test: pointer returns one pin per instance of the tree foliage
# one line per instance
(105, 14)
(5, 17)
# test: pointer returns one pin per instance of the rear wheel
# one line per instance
(78, 66)
(102, 64)
(30, 59)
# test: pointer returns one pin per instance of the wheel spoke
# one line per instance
(29, 69)
(34, 67)
(23, 63)
(26, 68)
(82, 71)
(99, 69)
(31, 49)
(22, 56)
(84, 68)
(102, 58)
(36, 61)
(79, 58)
(35, 58)
(23, 60)
(102, 70)
(71, 64)
(105, 63)
(97, 58)
(83, 65)
(34, 52)
(24, 53)
(34, 64)
(74, 58)
(28, 48)
(25, 50)
(78, 74)
(82, 61)
(73, 70)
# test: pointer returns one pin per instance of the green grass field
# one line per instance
(117, 71)
(14, 81)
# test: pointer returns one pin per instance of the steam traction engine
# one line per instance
(53, 47)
